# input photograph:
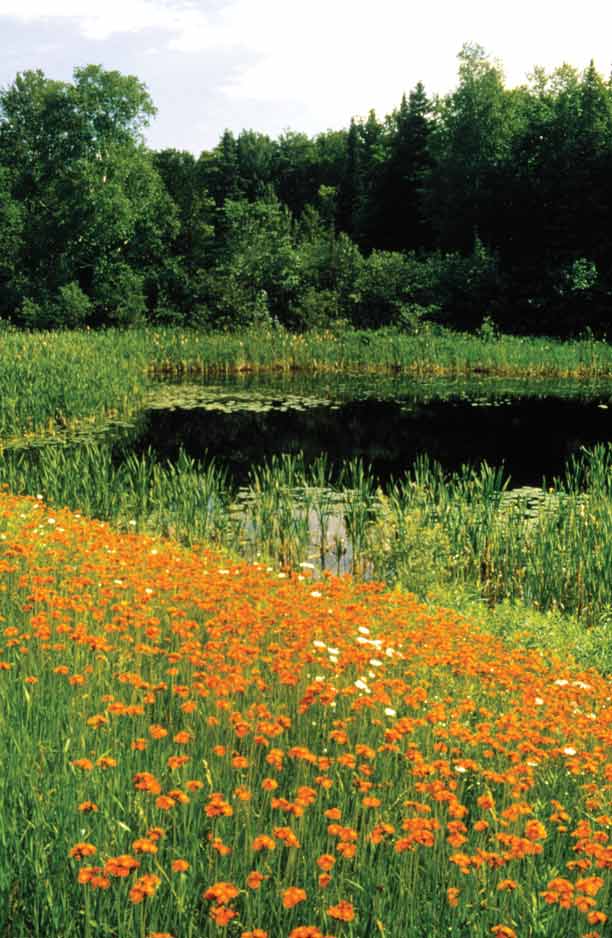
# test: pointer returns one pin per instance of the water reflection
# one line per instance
(529, 428)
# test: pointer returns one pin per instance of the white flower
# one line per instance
(333, 659)
(316, 594)
(319, 644)
(538, 701)
(361, 685)
(363, 630)
(375, 663)
(561, 682)
(569, 751)
(390, 712)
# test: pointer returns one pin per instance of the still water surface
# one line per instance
(529, 427)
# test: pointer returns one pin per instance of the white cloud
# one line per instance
(101, 19)
(335, 58)
(330, 59)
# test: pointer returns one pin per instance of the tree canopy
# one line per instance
(485, 202)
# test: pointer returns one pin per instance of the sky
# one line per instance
(301, 65)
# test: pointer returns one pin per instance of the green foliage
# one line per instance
(72, 308)
(447, 210)
(118, 294)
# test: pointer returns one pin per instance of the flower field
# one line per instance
(193, 746)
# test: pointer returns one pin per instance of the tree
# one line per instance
(406, 176)
(472, 136)
(89, 194)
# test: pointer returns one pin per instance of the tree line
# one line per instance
(486, 205)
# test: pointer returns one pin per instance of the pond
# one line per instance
(531, 428)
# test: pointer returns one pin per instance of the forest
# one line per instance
(486, 209)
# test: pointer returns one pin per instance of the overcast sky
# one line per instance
(304, 65)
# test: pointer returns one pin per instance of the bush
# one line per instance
(72, 307)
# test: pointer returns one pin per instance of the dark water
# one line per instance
(530, 429)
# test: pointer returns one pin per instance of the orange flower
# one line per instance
(145, 886)
(144, 845)
(507, 884)
(164, 802)
(263, 842)
(93, 876)
(183, 737)
(176, 762)
(218, 806)
(179, 866)
(287, 836)
(597, 918)
(535, 830)
(452, 895)
(85, 764)
(121, 866)
(255, 879)
(256, 933)
(326, 862)
(589, 885)
(81, 850)
(145, 781)
(221, 893)
(306, 931)
(292, 896)
(157, 732)
(343, 911)
(222, 915)
(503, 931)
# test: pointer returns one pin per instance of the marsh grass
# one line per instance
(50, 381)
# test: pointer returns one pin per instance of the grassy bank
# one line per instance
(549, 550)
(193, 746)
(50, 380)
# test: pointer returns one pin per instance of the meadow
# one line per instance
(195, 745)
(208, 728)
